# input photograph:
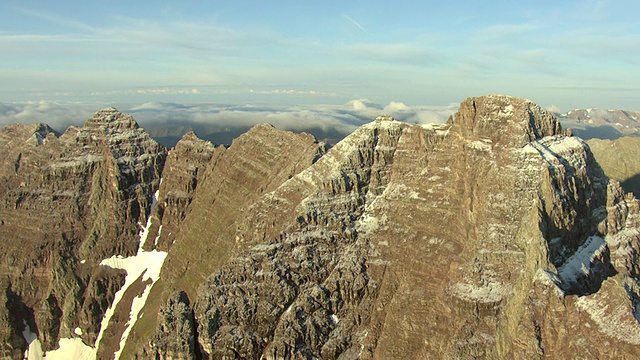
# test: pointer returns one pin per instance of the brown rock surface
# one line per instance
(490, 237)
(493, 236)
(256, 163)
(66, 203)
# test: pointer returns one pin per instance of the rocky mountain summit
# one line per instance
(67, 202)
(495, 235)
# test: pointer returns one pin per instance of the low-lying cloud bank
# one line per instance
(221, 122)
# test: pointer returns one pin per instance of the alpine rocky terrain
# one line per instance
(495, 236)
(601, 123)
(619, 160)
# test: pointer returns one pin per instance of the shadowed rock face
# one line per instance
(491, 236)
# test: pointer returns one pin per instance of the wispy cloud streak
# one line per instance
(357, 24)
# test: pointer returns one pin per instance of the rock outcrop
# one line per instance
(175, 338)
(474, 239)
(66, 203)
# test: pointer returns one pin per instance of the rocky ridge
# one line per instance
(463, 240)
(495, 235)
(69, 201)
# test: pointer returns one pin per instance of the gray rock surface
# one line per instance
(175, 338)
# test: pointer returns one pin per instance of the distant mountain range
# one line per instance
(601, 124)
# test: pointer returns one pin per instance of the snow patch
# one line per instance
(77, 331)
(71, 349)
(579, 264)
(34, 349)
(367, 224)
(506, 111)
(145, 265)
(550, 279)
(78, 161)
(479, 145)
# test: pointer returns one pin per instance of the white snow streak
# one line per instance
(145, 265)
(155, 242)
(144, 233)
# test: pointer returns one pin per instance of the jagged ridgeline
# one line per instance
(492, 236)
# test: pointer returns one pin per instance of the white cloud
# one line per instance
(357, 24)
(59, 115)
(554, 109)
(337, 120)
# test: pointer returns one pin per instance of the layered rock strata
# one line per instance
(228, 185)
(493, 236)
(67, 202)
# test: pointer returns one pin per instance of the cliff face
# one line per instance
(68, 202)
(491, 236)
(472, 239)
(226, 186)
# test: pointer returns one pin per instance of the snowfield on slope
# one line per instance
(145, 265)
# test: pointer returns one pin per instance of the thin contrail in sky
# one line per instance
(355, 22)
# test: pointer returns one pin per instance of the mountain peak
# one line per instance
(384, 118)
(505, 119)
(110, 117)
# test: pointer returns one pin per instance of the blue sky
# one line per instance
(567, 54)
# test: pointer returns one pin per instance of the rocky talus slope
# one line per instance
(493, 236)
(66, 203)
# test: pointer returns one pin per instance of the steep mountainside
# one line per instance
(620, 160)
(493, 236)
(256, 163)
(67, 203)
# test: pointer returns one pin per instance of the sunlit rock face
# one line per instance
(67, 202)
(492, 236)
